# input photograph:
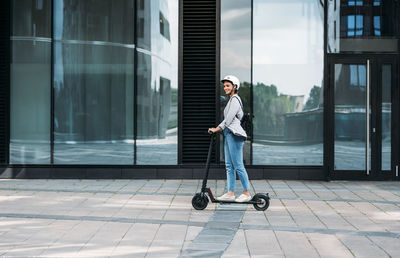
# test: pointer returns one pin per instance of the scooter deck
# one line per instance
(214, 200)
(233, 202)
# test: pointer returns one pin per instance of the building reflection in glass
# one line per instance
(369, 25)
(386, 148)
(94, 82)
(350, 108)
(350, 117)
(157, 79)
(287, 82)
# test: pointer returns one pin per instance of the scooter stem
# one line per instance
(203, 187)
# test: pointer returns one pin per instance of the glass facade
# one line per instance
(288, 57)
(100, 116)
(95, 82)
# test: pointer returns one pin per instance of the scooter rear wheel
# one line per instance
(199, 201)
(262, 202)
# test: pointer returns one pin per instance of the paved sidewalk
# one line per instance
(154, 218)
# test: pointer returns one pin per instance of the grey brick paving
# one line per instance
(154, 218)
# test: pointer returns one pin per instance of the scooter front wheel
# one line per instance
(262, 202)
(199, 201)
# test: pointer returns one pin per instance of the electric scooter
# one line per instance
(200, 200)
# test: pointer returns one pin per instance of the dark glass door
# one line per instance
(364, 104)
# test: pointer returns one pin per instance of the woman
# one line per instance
(234, 140)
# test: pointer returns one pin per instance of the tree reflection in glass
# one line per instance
(287, 82)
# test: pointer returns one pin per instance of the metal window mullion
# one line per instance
(367, 118)
(135, 57)
(7, 87)
(251, 84)
(52, 86)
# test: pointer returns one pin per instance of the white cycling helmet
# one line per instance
(232, 79)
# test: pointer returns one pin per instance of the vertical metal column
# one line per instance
(367, 114)
(52, 104)
(5, 50)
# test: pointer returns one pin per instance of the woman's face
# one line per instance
(228, 87)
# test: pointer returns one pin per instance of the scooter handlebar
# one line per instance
(210, 132)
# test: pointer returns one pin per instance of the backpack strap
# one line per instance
(240, 102)
(241, 105)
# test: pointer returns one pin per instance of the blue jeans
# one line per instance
(234, 161)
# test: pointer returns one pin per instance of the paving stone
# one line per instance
(361, 246)
(227, 216)
(168, 242)
(363, 223)
(222, 225)
(74, 239)
(282, 221)
(328, 245)
(238, 246)
(262, 242)
(220, 239)
(192, 233)
(295, 244)
(390, 245)
(137, 240)
(182, 215)
(255, 217)
(110, 234)
(219, 246)
(202, 253)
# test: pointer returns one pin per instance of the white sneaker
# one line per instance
(243, 198)
(226, 197)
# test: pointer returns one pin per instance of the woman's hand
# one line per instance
(214, 130)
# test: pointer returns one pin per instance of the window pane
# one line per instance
(93, 82)
(236, 55)
(350, 25)
(30, 82)
(377, 25)
(287, 79)
(386, 116)
(157, 120)
(350, 22)
(359, 24)
(350, 106)
(357, 76)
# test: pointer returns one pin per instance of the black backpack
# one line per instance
(246, 122)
